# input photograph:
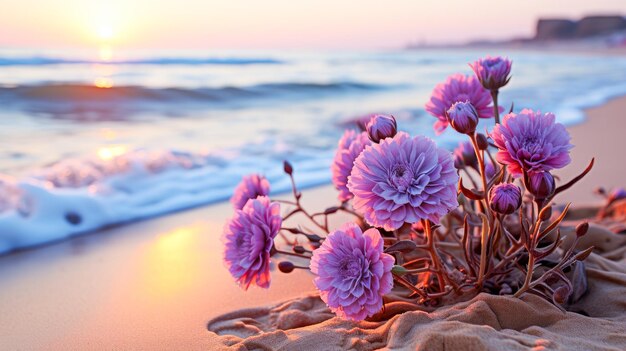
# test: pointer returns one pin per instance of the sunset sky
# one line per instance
(239, 24)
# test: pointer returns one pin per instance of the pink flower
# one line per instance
(248, 238)
(381, 127)
(531, 141)
(458, 87)
(505, 198)
(352, 272)
(350, 146)
(403, 179)
(250, 187)
(492, 72)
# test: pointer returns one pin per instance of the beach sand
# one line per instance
(155, 284)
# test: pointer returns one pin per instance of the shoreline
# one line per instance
(155, 283)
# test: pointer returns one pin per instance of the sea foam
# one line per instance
(77, 196)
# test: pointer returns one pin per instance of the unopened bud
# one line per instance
(546, 213)
(286, 266)
(541, 184)
(288, 168)
(463, 117)
(482, 142)
(380, 127)
(505, 198)
(582, 229)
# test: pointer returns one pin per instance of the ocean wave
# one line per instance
(46, 60)
(86, 93)
(82, 195)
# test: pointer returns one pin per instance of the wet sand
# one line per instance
(155, 284)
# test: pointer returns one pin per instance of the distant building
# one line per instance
(589, 26)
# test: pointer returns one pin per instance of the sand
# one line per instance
(155, 285)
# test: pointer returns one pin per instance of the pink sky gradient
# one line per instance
(286, 24)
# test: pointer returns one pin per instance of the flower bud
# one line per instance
(482, 142)
(505, 198)
(288, 168)
(582, 229)
(463, 117)
(545, 213)
(541, 184)
(380, 127)
(285, 266)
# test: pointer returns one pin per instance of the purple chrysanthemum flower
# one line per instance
(352, 272)
(464, 155)
(250, 187)
(248, 238)
(492, 72)
(403, 179)
(531, 141)
(350, 146)
(458, 87)
(505, 198)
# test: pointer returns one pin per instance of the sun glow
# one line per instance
(109, 152)
(105, 33)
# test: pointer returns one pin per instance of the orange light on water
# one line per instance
(109, 152)
(103, 82)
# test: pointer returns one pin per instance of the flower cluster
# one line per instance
(407, 199)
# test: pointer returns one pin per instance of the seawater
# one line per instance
(88, 142)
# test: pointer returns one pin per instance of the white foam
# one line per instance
(78, 196)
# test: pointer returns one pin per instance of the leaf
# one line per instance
(579, 281)
(555, 223)
(402, 246)
(584, 254)
(470, 194)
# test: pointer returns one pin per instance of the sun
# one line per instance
(105, 32)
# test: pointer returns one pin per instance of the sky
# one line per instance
(275, 24)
